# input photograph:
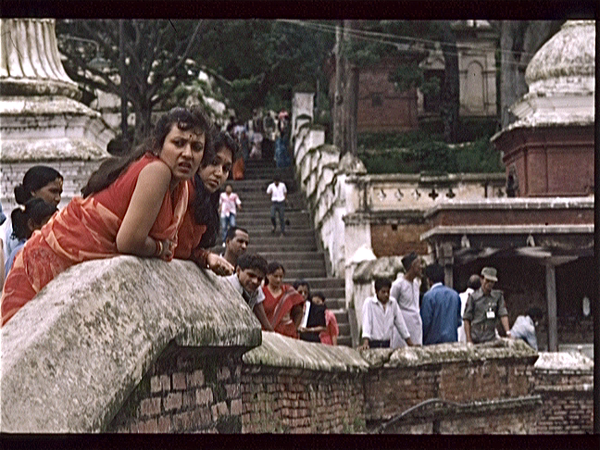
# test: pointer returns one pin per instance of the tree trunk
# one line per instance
(143, 122)
(450, 98)
(346, 94)
(338, 122)
(519, 40)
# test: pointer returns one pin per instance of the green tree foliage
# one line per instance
(255, 63)
(155, 59)
(418, 152)
(261, 62)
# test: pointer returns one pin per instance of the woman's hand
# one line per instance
(166, 247)
(219, 265)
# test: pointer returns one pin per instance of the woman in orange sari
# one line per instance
(283, 305)
(201, 222)
(130, 205)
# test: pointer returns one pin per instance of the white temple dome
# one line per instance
(561, 79)
(567, 62)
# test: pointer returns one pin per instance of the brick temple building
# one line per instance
(383, 108)
(540, 237)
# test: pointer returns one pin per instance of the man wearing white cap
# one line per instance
(484, 307)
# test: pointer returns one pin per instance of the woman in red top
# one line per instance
(131, 205)
(201, 222)
(329, 333)
(283, 304)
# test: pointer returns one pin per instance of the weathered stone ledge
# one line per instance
(449, 353)
(72, 355)
(283, 352)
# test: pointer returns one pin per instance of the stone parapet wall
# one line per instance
(291, 386)
(136, 345)
(512, 416)
(392, 192)
(86, 341)
(449, 372)
(565, 382)
(280, 400)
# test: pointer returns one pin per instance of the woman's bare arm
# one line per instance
(151, 187)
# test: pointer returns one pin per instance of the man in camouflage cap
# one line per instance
(484, 307)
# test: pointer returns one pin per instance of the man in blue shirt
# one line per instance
(440, 310)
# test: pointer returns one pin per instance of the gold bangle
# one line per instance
(159, 248)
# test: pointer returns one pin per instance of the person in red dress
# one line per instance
(329, 331)
(133, 205)
(283, 304)
(201, 222)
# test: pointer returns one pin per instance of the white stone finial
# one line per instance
(29, 60)
(567, 62)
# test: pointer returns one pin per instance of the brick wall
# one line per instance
(186, 390)
(392, 240)
(567, 401)
(391, 391)
(488, 417)
(473, 390)
(279, 400)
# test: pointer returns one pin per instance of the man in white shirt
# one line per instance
(380, 315)
(406, 290)
(278, 193)
(473, 284)
(247, 279)
(303, 289)
(524, 327)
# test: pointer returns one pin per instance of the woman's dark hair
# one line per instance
(301, 282)
(35, 178)
(272, 268)
(35, 209)
(206, 204)
(185, 119)
(224, 139)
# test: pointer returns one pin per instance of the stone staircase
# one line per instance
(297, 250)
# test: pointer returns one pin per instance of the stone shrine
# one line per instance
(549, 150)
(41, 119)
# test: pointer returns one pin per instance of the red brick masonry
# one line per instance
(484, 390)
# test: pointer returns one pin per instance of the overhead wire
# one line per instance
(366, 35)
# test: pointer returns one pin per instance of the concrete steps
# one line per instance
(297, 250)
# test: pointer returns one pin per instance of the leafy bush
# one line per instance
(387, 141)
(432, 156)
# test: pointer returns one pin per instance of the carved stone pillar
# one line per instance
(41, 119)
